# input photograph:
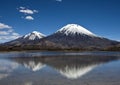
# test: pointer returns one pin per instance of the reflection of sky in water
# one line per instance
(6, 67)
(28, 83)
(33, 71)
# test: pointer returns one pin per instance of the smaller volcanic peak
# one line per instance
(26, 39)
(33, 35)
(73, 29)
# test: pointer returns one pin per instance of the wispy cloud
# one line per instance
(22, 7)
(7, 33)
(59, 0)
(27, 11)
(29, 18)
(8, 37)
(4, 33)
(15, 34)
(3, 26)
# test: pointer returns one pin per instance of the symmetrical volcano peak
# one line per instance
(75, 29)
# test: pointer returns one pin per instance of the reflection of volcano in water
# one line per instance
(30, 63)
(74, 67)
(71, 67)
(34, 66)
(75, 72)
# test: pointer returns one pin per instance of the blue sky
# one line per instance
(19, 17)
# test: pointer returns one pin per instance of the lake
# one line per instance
(59, 68)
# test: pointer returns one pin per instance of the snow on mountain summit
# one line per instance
(75, 29)
(34, 35)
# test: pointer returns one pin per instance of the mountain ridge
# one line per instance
(69, 37)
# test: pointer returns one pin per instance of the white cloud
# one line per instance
(59, 0)
(35, 11)
(22, 7)
(29, 18)
(10, 30)
(4, 33)
(7, 33)
(27, 11)
(6, 38)
(9, 37)
(2, 26)
(15, 34)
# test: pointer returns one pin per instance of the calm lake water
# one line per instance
(60, 68)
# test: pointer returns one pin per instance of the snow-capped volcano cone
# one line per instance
(34, 35)
(27, 39)
(73, 36)
(73, 29)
